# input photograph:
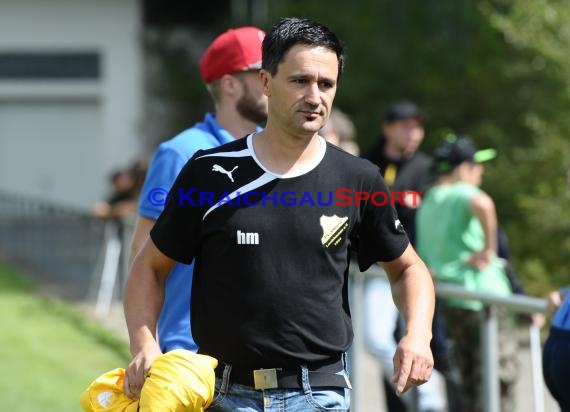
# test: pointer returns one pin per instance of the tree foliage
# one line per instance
(537, 173)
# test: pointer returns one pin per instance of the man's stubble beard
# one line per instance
(250, 108)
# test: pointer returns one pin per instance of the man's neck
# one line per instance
(282, 153)
(393, 153)
(448, 179)
(234, 123)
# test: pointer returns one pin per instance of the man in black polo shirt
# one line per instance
(270, 221)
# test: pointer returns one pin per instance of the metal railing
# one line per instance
(64, 249)
(489, 335)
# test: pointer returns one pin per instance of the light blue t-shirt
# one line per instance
(174, 322)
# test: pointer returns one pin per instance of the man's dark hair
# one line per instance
(291, 31)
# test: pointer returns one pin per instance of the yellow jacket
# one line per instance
(178, 381)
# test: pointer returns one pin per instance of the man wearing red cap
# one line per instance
(230, 69)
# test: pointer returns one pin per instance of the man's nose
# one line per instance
(312, 95)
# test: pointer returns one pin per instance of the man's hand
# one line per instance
(554, 301)
(481, 259)
(413, 363)
(137, 371)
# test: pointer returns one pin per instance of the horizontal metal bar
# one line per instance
(515, 303)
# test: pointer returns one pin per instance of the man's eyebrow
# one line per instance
(328, 79)
(300, 75)
(310, 76)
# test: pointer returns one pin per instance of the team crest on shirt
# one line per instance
(334, 228)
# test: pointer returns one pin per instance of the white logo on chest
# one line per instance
(218, 168)
(247, 238)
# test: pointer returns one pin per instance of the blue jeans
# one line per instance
(233, 397)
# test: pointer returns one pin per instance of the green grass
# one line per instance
(49, 353)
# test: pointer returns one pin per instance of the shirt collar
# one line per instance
(221, 134)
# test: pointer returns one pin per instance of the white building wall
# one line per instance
(59, 139)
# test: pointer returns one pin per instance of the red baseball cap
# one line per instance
(234, 51)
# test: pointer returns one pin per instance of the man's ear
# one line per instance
(229, 85)
(265, 80)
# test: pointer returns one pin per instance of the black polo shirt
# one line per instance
(271, 253)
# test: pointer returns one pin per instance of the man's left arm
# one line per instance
(414, 295)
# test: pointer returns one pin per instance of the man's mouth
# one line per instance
(310, 115)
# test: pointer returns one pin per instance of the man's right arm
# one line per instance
(144, 295)
(164, 168)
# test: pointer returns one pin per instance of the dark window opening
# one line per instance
(45, 65)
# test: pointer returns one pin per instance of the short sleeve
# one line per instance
(163, 170)
(466, 192)
(381, 237)
(176, 233)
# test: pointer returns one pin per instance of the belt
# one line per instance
(276, 378)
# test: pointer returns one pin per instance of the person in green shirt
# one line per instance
(456, 236)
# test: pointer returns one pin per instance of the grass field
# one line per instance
(49, 353)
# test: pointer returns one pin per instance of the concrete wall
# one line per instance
(60, 138)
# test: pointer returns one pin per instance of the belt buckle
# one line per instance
(265, 379)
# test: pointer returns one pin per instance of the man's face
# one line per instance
(406, 135)
(302, 91)
(252, 105)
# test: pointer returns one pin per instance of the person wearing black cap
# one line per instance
(405, 169)
(457, 237)
(403, 166)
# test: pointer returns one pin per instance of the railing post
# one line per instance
(109, 271)
(536, 362)
(489, 359)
